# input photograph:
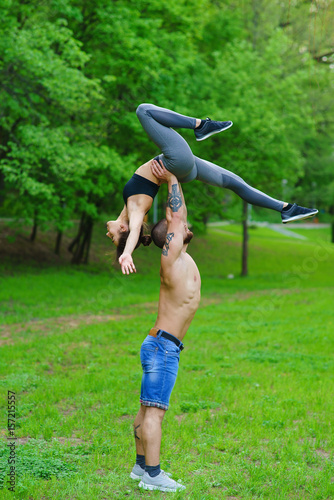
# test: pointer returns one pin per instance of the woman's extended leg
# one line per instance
(216, 176)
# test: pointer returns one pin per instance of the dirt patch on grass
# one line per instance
(125, 418)
(260, 293)
(6, 341)
(46, 326)
(146, 305)
(61, 323)
(69, 410)
(74, 345)
(73, 441)
(101, 472)
(181, 417)
(215, 298)
(322, 453)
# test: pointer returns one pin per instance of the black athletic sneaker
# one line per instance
(210, 127)
(297, 213)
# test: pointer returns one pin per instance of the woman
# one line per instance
(127, 230)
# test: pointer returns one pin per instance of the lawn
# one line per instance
(251, 414)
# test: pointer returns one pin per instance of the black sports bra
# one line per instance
(139, 185)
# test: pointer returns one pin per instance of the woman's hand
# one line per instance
(127, 264)
(159, 171)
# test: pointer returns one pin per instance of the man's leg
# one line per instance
(139, 467)
(151, 435)
(155, 478)
(147, 434)
(137, 430)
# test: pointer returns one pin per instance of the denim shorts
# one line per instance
(160, 361)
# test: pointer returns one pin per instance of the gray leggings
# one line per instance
(179, 159)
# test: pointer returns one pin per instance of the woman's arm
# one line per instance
(135, 223)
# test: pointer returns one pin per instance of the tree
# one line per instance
(51, 153)
(73, 72)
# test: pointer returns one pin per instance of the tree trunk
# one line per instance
(331, 211)
(34, 229)
(88, 241)
(74, 243)
(2, 188)
(58, 242)
(80, 246)
(244, 265)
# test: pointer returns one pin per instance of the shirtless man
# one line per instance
(160, 351)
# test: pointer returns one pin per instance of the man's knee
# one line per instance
(154, 413)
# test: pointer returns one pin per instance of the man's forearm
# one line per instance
(175, 200)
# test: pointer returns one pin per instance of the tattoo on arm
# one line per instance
(165, 249)
(174, 200)
(135, 432)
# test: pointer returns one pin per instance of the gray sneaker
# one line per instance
(137, 473)
(297, 213)
(161, 482)
(210, 127)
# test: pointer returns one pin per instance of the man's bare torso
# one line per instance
(179, 296)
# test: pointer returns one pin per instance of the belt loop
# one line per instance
(159, 332)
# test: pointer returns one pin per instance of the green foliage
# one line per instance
(73, 73)
(52, 156)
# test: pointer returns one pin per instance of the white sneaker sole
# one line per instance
(152, 487)
(213, 132)
(300, 217)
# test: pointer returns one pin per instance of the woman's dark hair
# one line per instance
(145, 239)
(159, 233)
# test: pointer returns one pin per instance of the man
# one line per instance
(160, 351)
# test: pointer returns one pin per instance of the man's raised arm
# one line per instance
(176, 215)
(175, 200)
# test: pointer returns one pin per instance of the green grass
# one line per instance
(251, 412)
(314, 234)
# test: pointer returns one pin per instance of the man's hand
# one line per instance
(127, 264)
(159, 171)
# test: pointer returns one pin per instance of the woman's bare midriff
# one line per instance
(145, 171)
